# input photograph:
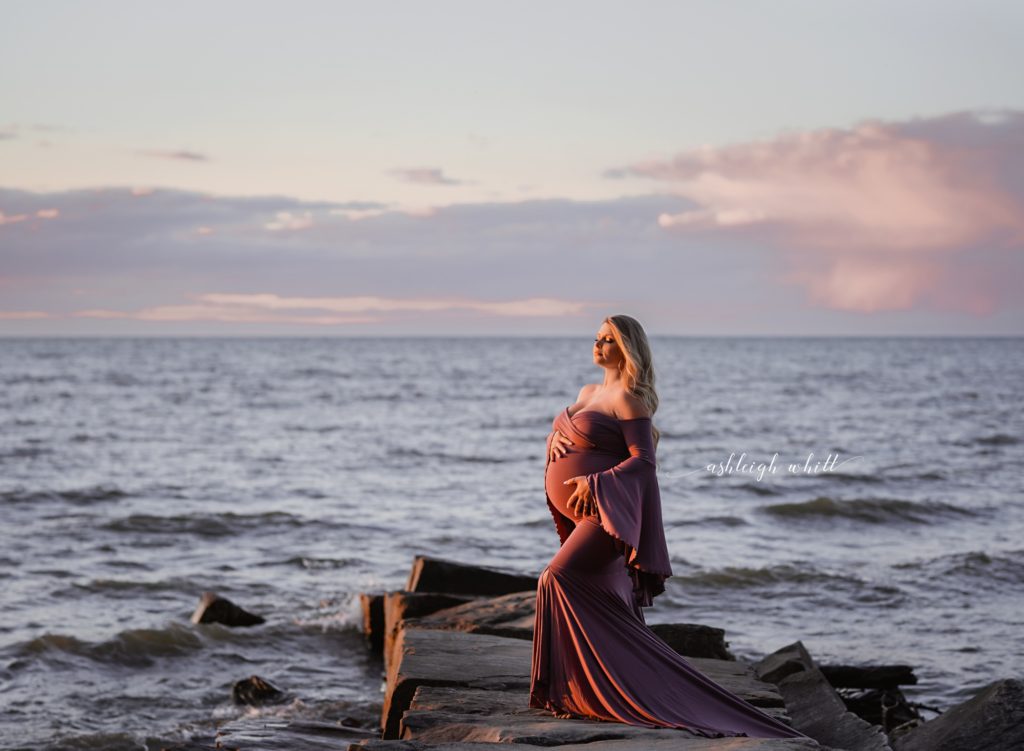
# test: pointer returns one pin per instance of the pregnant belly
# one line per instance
(576, 462)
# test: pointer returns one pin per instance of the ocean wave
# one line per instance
(724, 520)
(887, 473)
(997, 439)
(315, 428)
(25, 452)
(758, 489)
(317, 372)
(870, 510)
(129, 588)
(740, 577)
(203, 525)
(986, 569)
(133, 647)
(35, 380)
(849, 477)
(98, 742)
(78, 496)
(93, 438)
(470, 458)
(312, 562)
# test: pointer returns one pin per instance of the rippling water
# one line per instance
(292, 474)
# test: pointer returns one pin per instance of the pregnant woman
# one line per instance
(593, 655)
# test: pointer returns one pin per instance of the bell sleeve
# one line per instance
(628, 500)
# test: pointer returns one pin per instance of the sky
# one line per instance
(464, 168)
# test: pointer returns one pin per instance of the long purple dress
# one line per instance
(593, 654)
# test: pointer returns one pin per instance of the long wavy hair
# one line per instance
(638, 368)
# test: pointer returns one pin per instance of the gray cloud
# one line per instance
(187, 156)
(15, 130)
(703, 262)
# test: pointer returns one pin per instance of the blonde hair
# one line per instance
(639, 364)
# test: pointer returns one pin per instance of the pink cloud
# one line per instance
(224, 314)
(12, 218)
(869, 218)
(327, 311)
(527, 307)
(425, 176)
(286, 220)
(22, 315)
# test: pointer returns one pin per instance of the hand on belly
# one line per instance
(565, 481)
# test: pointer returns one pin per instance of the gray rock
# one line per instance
(694, 639)
(510, 615)
(401, 605)
(437, 575)
(275, 734)
(513, 615)
(372, 606)
(869, 676)
(740, 678)
(255, 691)
(462, 714)
(449, 658)
(992, 720)
(449, 716)
(429, 657)
(815, 707)
(887, 708)
(213, 608)
(669, 740)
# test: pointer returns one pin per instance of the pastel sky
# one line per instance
(335, 168)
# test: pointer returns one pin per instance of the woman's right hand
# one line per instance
(559, 441)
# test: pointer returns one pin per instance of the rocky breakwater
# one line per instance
(456, 646)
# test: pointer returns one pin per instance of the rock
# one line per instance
(449, 658)
(513, 615)
(869, 676)
(814, 705)
(886, 707)
(401, 605)
(275, 734)
(660, 740)
(694, 640)
(779, 664)
(429, 657)
(450, 716)
(372, 605)
(213, 608)
(992, 720)
(510, 615)
(740, 678)
(255, 691)
(194, 744)
(437, 575)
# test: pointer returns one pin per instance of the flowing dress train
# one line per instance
(593, 654)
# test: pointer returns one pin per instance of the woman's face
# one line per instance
(606, 352)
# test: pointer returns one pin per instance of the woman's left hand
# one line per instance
(581, 501)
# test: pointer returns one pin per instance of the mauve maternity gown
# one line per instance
(593, 654)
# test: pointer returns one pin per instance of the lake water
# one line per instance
(291, 474)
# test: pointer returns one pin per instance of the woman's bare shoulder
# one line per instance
(629, 407)
(586, 392)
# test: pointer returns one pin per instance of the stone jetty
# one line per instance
(456, 649)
